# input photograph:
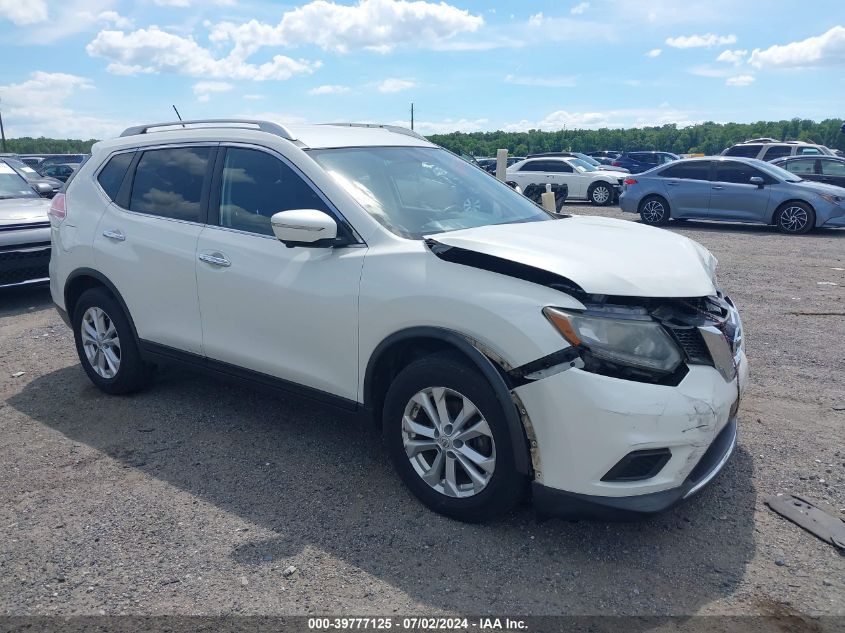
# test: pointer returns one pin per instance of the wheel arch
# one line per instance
(401, 348)
(83, 279)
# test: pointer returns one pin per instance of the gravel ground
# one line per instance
(195, 497)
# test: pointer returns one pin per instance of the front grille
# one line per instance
(24, 265)
(693, 345)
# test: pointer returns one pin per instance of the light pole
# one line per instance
(2, 131)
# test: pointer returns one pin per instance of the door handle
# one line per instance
(114, 235)
(215, 259)
(672, 184)
(718, 187)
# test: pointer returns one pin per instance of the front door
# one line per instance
(734, 197)
(290, 313)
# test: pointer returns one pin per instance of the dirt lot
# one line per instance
(195, 496)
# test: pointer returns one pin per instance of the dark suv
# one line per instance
(637, 162)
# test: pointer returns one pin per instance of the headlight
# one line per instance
(641, 344)
(832, 199)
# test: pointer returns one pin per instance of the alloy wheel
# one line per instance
(448, 442)
(601, 194)
(653, 211)
(100, 342)
(794, 219)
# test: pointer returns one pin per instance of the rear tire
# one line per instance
(654, 211)
(106, 344)
(795, 218)
(458, 465)
(600, 194)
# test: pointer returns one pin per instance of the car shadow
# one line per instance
(21, 299)
(319, 478)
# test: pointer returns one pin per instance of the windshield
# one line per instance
(12, 185)
(587, 159)
(418, 191)
(580, 165)
(22, 168)
(778, 172)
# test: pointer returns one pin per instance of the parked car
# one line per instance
(829, 169)
(61, 159)
(58, 172)
(733, 189)
(44, 186)
(584, 181)
(587, 159)
(605, 157)
(769, 149)
(24, 231)
(494, 344)
(637, 162)
(32, 161)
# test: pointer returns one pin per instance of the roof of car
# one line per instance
(331, 135)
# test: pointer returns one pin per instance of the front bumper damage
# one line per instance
(583, 424)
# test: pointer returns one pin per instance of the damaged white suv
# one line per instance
(591, 363)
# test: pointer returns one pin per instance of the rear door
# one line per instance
(687, 186)
(832, 171)
(146, 242)
(734, 197)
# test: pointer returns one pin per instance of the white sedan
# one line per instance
(585, 182)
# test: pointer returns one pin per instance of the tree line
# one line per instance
(704, 138)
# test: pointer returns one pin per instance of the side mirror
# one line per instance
(304, 227)
(43, 189)
(756, 180)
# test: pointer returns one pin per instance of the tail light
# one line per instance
(58, 210)
(630, 181)
(616, 163)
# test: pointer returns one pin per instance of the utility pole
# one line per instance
(412, 115)
(2, 132)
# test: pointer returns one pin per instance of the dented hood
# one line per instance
(601, 255)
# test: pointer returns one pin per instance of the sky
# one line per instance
(90, 68)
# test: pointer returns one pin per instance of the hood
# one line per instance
(23, 210)
(601, 255)
(609, 173)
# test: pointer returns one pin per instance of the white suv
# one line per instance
(769, 149)
(585, 181)
(496, 345)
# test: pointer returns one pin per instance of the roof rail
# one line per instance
(396, 129)
(263, 126)
(762, 140)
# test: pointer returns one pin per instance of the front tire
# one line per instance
(106, 344)
(448, 439)
(601, 194)
(654, 211)
(795, 218)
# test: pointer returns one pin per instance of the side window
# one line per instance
(665, 158)
(256, 185)
(738, 173)
(832, 168)
(699, 170)
(746, 151)
(168, 182)
(111, 176)
(558, 167)
(809, 151)
(802, 166)
(532, 165)
(777, 151)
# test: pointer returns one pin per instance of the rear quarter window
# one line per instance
(748, 151)
(112, 175)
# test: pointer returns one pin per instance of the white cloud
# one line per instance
(445, 126)
(115, 19)
(187, 3)
(251, 97)
(66, 18)
(708, 40)
(544, 82)
(204, 89)
(732, 57)
(38, 107)
(536, 19)
(328, 90)
(740, 80)
(827, 49)
(579, 8)
(654, 52)
(610, 118)
(22, 13)
(153, 50)
(395, 85)
(376, 25)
